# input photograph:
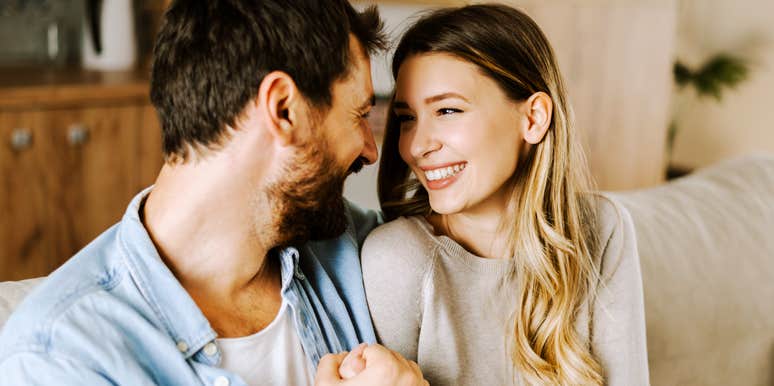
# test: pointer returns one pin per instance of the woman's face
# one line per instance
(460, 134)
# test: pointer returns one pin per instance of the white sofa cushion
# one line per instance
(12, 293)
(706, 245)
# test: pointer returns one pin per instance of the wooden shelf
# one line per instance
(24, 88)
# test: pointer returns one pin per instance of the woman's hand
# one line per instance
(372, 365)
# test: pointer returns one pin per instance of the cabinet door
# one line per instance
(150, 157)
(69, 184)
(26, 235)
(96, 150)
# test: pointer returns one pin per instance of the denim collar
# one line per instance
(180, 316)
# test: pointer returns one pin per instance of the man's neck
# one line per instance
(215, 247)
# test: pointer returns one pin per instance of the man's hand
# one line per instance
(382, 367)
(353, 363)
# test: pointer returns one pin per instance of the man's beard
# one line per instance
(307, 199)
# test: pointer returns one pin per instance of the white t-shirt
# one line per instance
(273, 356)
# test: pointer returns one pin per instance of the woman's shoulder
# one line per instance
(405, 239)
(613, 218)
(616, 235)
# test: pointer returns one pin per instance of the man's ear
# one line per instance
(280, 100)
(539, 110)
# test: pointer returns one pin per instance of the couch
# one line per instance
(706, 244)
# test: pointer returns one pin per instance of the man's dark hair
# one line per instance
(211, 56)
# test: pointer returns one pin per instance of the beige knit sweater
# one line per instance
(449, 310)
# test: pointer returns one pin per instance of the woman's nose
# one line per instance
(425, 141)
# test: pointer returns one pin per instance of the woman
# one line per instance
(500, 265)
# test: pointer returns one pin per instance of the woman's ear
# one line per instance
(279, 101)
(539, 110)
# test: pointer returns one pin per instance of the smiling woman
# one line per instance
(512, 270)
(445, 102)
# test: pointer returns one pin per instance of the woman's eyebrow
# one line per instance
(430, 99)
(436, 98)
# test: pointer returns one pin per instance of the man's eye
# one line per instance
(404, 118)
(446, 111)
(365, 115)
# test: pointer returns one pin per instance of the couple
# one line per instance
(242, 265)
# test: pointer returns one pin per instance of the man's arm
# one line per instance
(33, 368)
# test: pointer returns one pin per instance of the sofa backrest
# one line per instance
(12, 293)
(706, 245)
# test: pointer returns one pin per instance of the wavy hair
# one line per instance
(550, 219)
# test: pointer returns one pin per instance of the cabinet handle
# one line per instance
(21, 139)
(78, 135)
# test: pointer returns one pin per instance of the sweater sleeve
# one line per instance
(618, 325)
(395, 263)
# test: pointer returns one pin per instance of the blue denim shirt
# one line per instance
(115, 314)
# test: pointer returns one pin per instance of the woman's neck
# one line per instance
(479, 233)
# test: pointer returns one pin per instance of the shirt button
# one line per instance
(182, 346)
(221, 381)
(210, 349)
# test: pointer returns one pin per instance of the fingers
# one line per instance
(328, 370)
(354, 363)
(380, 366)
(377, 352)
(391, 367)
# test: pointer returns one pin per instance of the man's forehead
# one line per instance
(355, 89)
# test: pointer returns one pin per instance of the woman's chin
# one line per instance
(445, 207)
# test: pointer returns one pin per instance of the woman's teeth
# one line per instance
(441, 173)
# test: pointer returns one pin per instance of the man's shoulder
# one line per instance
(361, 221)
(78, 284)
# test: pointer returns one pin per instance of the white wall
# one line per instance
(744, 122)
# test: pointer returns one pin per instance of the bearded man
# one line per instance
(240, 266)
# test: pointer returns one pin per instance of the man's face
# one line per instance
(309, 196)
(345, 127)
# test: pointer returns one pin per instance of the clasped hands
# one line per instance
(372, 365)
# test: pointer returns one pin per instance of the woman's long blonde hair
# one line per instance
(550, 221)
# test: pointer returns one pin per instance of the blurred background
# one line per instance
(660, 88)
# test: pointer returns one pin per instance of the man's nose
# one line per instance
(370, 152)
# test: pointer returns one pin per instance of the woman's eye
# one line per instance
(446, 111)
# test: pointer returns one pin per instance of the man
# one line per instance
(209, 278)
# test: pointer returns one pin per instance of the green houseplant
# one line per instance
(710, 80)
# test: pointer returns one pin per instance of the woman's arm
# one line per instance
(618, 325)
(395, 265)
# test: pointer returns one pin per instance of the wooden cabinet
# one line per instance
(71, 158)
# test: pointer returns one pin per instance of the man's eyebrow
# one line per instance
(370, 102)
(430, 99)
(400, 105)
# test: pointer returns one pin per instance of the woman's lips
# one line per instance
(441, 176)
